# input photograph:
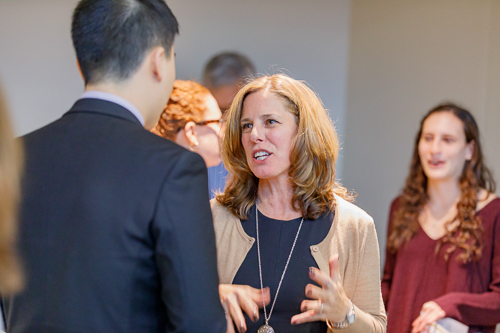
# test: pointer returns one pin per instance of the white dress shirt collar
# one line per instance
(117, 100)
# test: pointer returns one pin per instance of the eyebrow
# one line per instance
(264, 116)
(440, 134)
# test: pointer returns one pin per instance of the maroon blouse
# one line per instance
(469, 293)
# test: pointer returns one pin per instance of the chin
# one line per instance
(441, 176)
(265, 175)
(432, 173)
(258, 173)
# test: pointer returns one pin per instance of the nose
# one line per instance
(435, 146)
(256, 134)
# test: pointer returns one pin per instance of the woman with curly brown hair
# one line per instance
(442, 257)
(192, 119)
(283, 221)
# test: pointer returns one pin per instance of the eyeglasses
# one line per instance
(205, 122)
(202, 123)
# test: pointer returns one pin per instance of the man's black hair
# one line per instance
(111, 37)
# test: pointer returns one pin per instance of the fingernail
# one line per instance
(242, 327)
(255, 315)
(311, 271)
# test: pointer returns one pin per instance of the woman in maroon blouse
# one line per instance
(443, 248)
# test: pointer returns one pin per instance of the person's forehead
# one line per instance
(264, 101)
(443, 122)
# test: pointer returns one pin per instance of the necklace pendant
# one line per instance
(265, 329)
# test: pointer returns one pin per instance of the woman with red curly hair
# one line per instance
(442, 256)
(192, 119)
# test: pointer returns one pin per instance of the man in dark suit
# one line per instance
(116, 232)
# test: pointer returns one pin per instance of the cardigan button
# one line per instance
(315, 248)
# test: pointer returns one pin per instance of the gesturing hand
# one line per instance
(236, 298)
(329, 302)
(430, 312)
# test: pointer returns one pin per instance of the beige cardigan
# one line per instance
(352, 236)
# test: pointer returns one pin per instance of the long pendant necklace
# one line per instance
(266, 328)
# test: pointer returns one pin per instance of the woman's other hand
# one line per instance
(329, 301)
(236, 299)
(430, 312)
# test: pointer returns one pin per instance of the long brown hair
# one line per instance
(475, 176)
(11, 278)
(313, 156)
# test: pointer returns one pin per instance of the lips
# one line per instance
(435, 163)
(261, 155)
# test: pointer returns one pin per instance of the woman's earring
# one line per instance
(194, 146)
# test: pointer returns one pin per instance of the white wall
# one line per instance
(37, 64)
(405, 57)
(308, 40)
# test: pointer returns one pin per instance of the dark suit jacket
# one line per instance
(116, 232)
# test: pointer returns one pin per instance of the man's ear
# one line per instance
(157, 57)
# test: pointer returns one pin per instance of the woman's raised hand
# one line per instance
(329, 302)
(236, 299)
(430, 312)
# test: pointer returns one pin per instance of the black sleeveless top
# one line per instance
(276, 239)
